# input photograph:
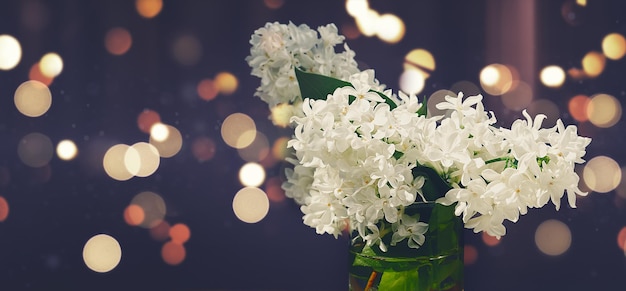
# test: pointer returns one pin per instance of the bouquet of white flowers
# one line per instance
(362, 154)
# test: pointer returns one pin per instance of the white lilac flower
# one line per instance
(355, 152)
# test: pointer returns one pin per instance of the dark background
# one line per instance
(54, 210)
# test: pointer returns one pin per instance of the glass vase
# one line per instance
(436, 265)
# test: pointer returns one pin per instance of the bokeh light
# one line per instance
(173, 253)
(160, 231)
(468, 88)
(496, 79)
(153, 206)
(238, 130)
(518, 98)
(604, 110)
(4, 209)
(411, 82)
(470, 255)
(146, 119)
(35, 150)
(614, 46)
(274, 191)
(390, 28)
(149, 8)
(621, 239)
(489, 240)
(32, 98)
(602, 174)
(252, 175)
(621, 187)
(10, 52)
(142, 159)
(203, 148)
(366, 22)
(552, 76)
(281, 114)
(67, 150)
(159, 132)
(257, 150)
(226, 83)
(577, 107)
(118, 41)
(180, 233)
(35, 74)
(356, 8)
(134, 215)
(593, 64)
(187, 50)
(553, 237)
(113, 162)
(172, 143)
(420, 60)
(274, 4)
(207, 89)
(51, 65)
(251, 204)
(102, 253)
(279, 148)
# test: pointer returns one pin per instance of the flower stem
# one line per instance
(370, 281)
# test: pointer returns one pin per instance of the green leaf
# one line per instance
(434, 186)
(424, 109)
(316, 86)
(399, 281)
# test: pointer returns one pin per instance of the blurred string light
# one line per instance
(252, 175)
(238, 130)
(602, 174)
(518, 98)
(604, 110)
(470, 255)
(207, 89)
(173, 253)
(149, 8)
(10, 52)
(552, 76)
(593, 64)
(134, 215)
(203, 148)
(146, 119)
(491, 241)
(118, 41)
(168, 142)
(102, 253)
(66, 150)
(51, 65)
(142, 159)
(113, 162)
(614, 46)
(226, 83)
(577, 107)
(256, 151)
(153, 207)
(553, 237)
(32, 98)
(179, 233)
(160, 231)
(621, 239)
(35, 150)
(387, 27)
(35, 74)
(251, 204)
(4, 209)
(274, 4)
(581, 2)
(411, 82)
(497, 79)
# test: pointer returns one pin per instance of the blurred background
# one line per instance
(134, 156)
